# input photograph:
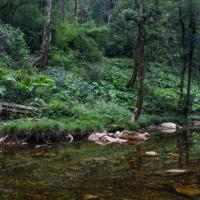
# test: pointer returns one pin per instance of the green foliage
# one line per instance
(72, 37)
(13, 50)
(21, 86)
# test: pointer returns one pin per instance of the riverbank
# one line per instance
(52, 130)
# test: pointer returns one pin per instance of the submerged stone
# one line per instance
(187, 190)
(90, 197)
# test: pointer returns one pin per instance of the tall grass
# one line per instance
(50, 130)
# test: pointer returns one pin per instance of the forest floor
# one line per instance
(86, 97)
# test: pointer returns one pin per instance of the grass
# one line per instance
(48, 129)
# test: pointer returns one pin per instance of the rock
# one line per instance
(96, 137)
(70, 138)
(151, 153)
(176, 171)
(113, 140)
(187, 190)
(169, 127)
(2, 139)
(118, 134)
(136, 138)
(41, 146)
(118, 137)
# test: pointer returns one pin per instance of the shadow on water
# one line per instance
(89, 171)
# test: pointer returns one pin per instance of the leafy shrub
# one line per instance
(58, 109)
(62, 59)
(19, 85)
(71, 37)
(13, 50)
(112, 112)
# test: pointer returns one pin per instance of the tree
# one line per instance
(188, 38)
(140, 17)
(43, 58)
(192, 33)
(62, 10)
(111, 4)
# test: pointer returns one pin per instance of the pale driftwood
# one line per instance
(15, 108)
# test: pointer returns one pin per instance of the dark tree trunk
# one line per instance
(192, 31)
(184, 65)
(43, 59)
(139, 58)
(133, 78)
(110, 10)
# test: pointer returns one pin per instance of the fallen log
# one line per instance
(9, 108)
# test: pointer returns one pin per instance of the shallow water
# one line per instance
(89, 171)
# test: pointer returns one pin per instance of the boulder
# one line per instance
(167, 127)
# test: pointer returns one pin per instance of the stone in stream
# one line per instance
(187, 190)
(176, 171)
(151, 153)
(105, 138)
(167, 127)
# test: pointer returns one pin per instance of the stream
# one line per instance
(89, 171)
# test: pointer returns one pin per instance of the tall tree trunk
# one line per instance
(192, 31)
(139, 63)
(133, 78)
(43, 59)
(134, 75)
(77, 9)
(110, 10)
(185, 61)
(62, 10)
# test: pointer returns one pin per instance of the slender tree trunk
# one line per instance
(43, 59)
(77, 10)
(192, 31)
(139, 64)
(110, 10)
(185, 61)
(133, 78)
(62, 10)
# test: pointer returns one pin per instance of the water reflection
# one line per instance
(184, 141)
(112, 172)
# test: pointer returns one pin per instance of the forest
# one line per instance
(87, 65)
(107, 71)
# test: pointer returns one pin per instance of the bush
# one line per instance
(72, 37)
(13, 50)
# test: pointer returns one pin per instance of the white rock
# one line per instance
(112, 140)
(118, 134)
(95, 137)
(176, 171)
(169, 125)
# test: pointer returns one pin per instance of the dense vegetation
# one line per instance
(98, 64)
